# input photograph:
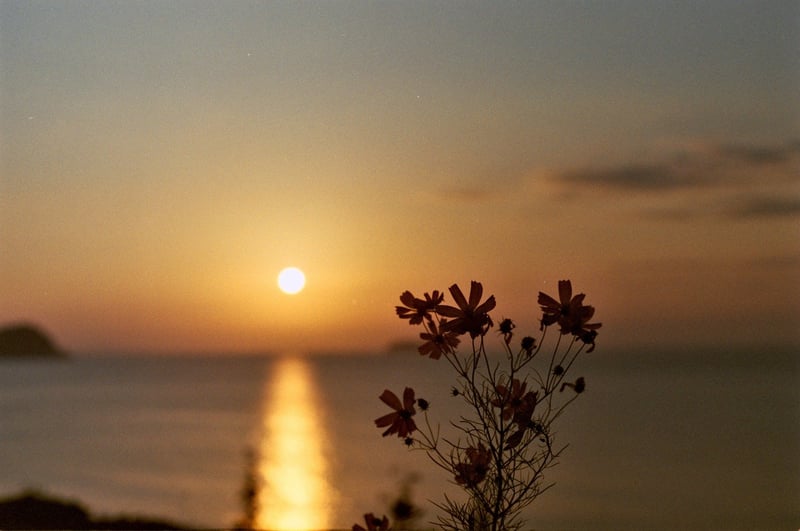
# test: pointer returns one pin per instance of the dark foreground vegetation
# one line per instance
(35, 510)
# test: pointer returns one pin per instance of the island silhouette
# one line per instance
(27, 340)
(36, 510)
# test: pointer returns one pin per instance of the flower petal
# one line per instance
(475, 293)
(408, 399)
(564, 291)
(391, 400)
(455, 291)
(407, 298)
(385, 420)
(448, 311)
(547, 300)
(487, 306)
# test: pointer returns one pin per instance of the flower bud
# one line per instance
(528, 344)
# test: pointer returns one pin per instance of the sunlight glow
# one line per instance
(295, 493)
(291, 280)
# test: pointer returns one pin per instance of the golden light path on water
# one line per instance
(295, 493)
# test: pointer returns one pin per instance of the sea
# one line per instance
(690, 440)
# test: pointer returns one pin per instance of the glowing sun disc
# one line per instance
(291, 280)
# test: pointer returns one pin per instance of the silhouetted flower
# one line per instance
(509, 399)
(471, 316)
(560, 311)
(415, 310)
(423, 404)
(524, 411)
(522, 418)
(569, 312)
(474, 471)
(505, 329)
(528, 344)
(373, 523)
(588, 337)
(579, 386)
(515, 439)
(403, 510)
(585, 331)
(437, 341)
(399, 422)
(558, 370)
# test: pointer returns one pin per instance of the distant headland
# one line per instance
(35, 510)
(29, 341)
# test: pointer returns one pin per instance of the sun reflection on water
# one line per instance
(295, 493)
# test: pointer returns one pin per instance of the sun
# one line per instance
(291, 280)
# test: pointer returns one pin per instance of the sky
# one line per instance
(161, 162)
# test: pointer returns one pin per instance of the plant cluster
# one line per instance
(505, 440)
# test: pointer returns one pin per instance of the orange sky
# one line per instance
(160, 163)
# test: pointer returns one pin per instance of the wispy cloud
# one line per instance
(759, 155)
(720, 164)
(765, 206)
(737, 181)
(631, 176)
(741, 181)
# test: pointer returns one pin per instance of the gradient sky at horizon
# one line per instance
(160, 162)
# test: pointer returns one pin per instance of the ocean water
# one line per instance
(710, 443)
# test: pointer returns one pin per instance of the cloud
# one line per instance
(632, 177)
(759, 155)
(703, 166)
(735, 181)
(765, 207)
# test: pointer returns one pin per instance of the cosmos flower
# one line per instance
(579, 386)
(524, 412)
(569, 312)
(528, 344)
(583, 330)
(588, 338)
(373, 523)
(415, 310)
(471, 316)
(472, 472)
(399, 422)
(437, 342)
(559, 311)
(510, 399)
(523, 418)
(505, 329)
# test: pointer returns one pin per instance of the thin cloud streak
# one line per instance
(765, 207)
(742, 181)
(760, 155)
(745, 182)
(720, 164)
(632, 177)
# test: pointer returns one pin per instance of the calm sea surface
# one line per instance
(654, 445)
